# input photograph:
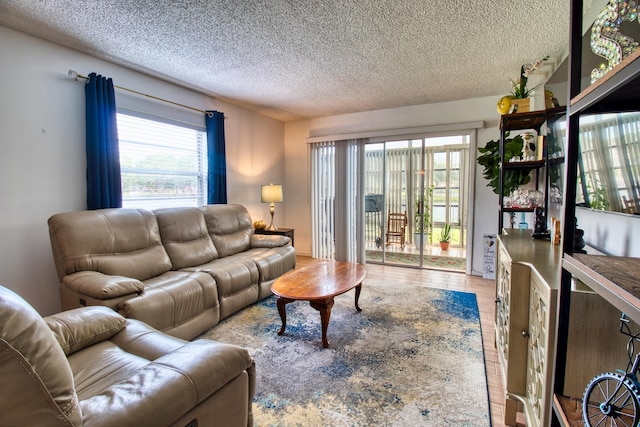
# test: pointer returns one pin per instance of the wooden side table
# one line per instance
(280, 231)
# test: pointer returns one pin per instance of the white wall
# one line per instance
(610, 232)
(297, 182)
(42, 153)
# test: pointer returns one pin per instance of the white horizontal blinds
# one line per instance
(162, 165)
(322, 200)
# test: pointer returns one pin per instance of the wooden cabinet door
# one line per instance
(512, 316)
(542, 312)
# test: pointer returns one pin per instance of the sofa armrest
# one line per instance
(269, 241)
(209, 365)
(81, 327)
(102, 286)
(170, 386)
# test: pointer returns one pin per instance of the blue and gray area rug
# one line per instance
(412, 357)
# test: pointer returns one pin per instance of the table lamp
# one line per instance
(272, 193)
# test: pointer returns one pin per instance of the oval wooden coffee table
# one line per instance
(318, 283)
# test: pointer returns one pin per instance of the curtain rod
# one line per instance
(75, 76)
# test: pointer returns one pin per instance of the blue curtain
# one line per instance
(103, 155)
(216, 158)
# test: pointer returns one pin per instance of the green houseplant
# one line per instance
(445, 236)
(489, 158)
(424, 226)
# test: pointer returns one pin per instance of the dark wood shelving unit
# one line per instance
(611, 279)
(533, 120)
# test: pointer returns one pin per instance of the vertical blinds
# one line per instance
(337, 200)
(322, 200)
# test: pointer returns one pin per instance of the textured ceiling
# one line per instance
(293, 59)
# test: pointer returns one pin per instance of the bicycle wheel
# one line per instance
(611, 399)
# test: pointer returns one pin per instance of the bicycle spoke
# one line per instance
(603, 418)
(627, 398)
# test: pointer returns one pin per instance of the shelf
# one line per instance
(505, 209)
(614, 278)
(530, 119)
(534, 164)
(616, 91)
(519, 121)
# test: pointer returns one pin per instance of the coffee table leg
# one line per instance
(358, 289)
(283, 313)
(324, 307)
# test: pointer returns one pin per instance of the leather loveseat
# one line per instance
(180, 270)
(92, 367)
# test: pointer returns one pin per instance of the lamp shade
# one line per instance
(272, 193)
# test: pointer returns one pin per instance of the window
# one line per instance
(162, 165)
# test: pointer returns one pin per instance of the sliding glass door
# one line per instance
(392, 184)
(413, 188)
(388, 201)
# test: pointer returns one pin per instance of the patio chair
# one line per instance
(396, 226)
(630, 206)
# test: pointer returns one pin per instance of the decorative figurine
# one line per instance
(528, 147)
(540, 227)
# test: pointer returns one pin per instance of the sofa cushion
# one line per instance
(230, 228)
(122, 242)
(100, 366)
(272, 263)
(237, 279)
(185, 236)
(173, 298)
(38, 383)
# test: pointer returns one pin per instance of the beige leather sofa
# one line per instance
(180, 270)
(92, 367)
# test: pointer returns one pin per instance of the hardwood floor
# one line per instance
(485, 294)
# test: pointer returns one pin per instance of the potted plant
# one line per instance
(445, 236)
(422, 227)
(520, 93)
(490, 160)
